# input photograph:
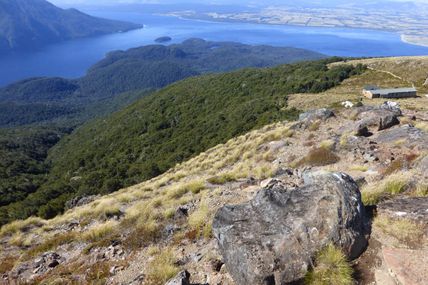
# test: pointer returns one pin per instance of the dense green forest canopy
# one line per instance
(168, 127)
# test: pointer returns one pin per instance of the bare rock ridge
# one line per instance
(273, 238)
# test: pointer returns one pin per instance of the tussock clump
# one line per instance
(331, 268)
(52, 242)
(144, 234)
(402, 229)
(327, 144)
(199, 222)
(362, 168)
(21, 226)
(318, 157)
(422, 126)
(7, 264)
(392, 185)
(100, 231)
(421, 190)
(162, 268)
(222, 179)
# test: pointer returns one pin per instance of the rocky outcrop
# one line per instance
(273, 238)
(413, 208)
(404, 132)
(80, 201)
(314, 115)
(381, 118)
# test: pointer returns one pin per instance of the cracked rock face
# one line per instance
(273, 238)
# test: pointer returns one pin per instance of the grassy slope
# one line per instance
(148, 206)
(170, 126)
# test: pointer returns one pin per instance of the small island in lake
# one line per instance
(163, 39)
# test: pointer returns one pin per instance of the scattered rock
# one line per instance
(53, 263)
(216, 265)
(406, 266)
(380, 118)
(405, 132)
(80, 201)
(392, 106)
(423, 165)
(361, 130)
(181, 278)
(320, 114)
(272, 238)
(181, 214)
(414, 208)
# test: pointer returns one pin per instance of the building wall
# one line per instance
(371, 94)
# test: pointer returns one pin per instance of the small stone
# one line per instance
(53, 263)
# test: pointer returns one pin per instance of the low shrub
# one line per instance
(318, 157)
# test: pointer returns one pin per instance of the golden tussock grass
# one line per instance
(402, 229)
(331, 268)
(392, 185)
(162, 267)
(21, 226)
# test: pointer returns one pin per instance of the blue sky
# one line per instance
(68, 2)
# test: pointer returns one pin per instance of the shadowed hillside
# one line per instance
(29, 24)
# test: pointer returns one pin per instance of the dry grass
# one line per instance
(143, 235)
(52, 243)
(21, 226)
(392, 185)
(7, 263)
(222, 179)
(423, 126)
(327, 144)
(331, 268)
(318, 157)
(421, 189)
(402, 229)
(199, 221)
(362, 168)
(162, 268)
(101, 231)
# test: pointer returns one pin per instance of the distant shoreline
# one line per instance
(415, 40)
(408, 39)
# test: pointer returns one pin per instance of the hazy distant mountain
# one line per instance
(28, 24)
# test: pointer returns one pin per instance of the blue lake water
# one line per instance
(71, 59)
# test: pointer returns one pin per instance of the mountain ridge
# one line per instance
(30, 24)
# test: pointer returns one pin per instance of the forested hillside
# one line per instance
(145, 68)
(170, 126)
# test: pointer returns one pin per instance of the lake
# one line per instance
(71, 59)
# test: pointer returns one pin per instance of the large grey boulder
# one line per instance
(381, 118)
(273, 238)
